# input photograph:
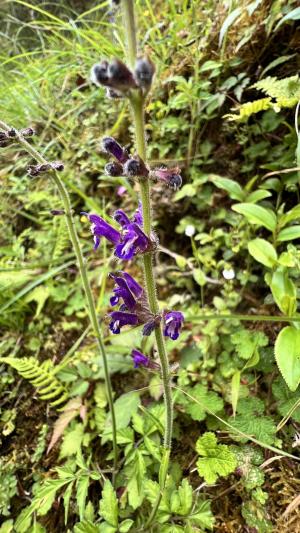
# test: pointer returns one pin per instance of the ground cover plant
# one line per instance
(149, 266)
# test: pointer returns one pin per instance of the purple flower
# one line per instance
(139, 359)
(129, 241)
(126, 288)
(170, 176)
(100, 228)
(173, 321)
(120, 319)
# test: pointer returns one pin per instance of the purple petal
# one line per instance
(119, 319)
(139, 359)
(121, 218)
(125, 293)
(100, 228)
(133, 285)
(138, 215)
(173, 321)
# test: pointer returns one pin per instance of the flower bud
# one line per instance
(120, 77)
(27, 132)
(99, 75)
(135, 167)
(112, 147)
(113, 94)
(170, 176)
(113, 169)
(144, 72)
(12, 132)
(57, 212)
(57, 165)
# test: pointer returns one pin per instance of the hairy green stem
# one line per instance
(84, 278)
(137, 104)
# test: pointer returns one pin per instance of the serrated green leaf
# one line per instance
(185, 493)
(287, 355)
(86, 526)
(81, 493)
(218, 459)
(263, 252)
(109, 504)
(66, 498)
(256, 214)
(207, 399)
(72, 441)
(202, 515)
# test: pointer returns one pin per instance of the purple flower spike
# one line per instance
(100, 228)
(122, 291)
(120, 319)
(173, 321)
(139, 359)
(121, 218)
(112, 147)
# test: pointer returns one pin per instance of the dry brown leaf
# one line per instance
(71, 410)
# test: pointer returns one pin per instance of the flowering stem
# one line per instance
(137, 104)
(84, 278)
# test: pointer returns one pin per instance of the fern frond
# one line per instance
(249, 108)
(286, 92)
(61, 238)
(41, 376)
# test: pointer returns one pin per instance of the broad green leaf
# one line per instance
(263, 251)
(86, 526)
(287, 354)
(257, 196)
(202, 515)
(66, 498)
(199, 276)
(217, 459)
(125, 407)
(284, 291)
(109, 504)
(256, 214)
(207, 400)
(289, 234)
(233, 188)
(235, 389)
(289, 216)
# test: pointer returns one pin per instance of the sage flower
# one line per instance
(129, 241)
(173, 321)
(139, 359)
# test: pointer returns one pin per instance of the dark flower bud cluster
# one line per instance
(36, 170)
(170, 176)
(132, 167)
(9, 137)
(114, 75)
(119, 79)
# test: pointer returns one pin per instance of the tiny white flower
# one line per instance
(228, 273)
(190, 230)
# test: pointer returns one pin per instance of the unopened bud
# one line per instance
(120, 77)
(35, 170)
(12, 132)
(99, 74)
(57, 165)
(27, 132)
(112, 147)
(57, 212)
(112, 94)
(170, 176)
(135, 167)
(3, 136)
(144, 72)
(113, 169)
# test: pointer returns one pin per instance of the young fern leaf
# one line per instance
(61, 239)
(40, 376)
